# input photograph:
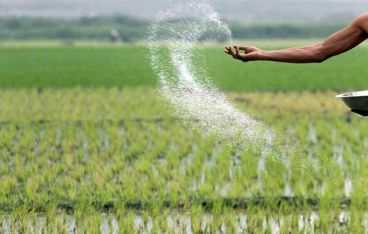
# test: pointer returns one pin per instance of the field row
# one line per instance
(195, 221)
(37, 105)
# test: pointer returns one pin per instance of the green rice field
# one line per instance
(88, 145)
(56, 65)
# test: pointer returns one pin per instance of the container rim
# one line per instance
(356, 94)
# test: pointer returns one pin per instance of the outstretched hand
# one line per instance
(244, 53)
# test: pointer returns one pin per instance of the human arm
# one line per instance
(338, 43)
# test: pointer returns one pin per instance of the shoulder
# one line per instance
(362, 21)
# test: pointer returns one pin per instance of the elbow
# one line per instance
(361, 22)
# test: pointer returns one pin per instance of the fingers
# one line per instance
(227, 50)
(242, 57)
(230, 52)
(243, 53)
(234, 51)
(244, 48)
(248, 49)
(237, 51)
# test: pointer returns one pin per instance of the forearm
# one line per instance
(337, 43)
(309, 54)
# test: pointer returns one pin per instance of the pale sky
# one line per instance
(238, 9)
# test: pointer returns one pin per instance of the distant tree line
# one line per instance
(85, 28)
(129, 29)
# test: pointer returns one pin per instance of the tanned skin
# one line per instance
(338, 43)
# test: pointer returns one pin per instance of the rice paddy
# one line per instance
(121, 153)
(82, 155)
